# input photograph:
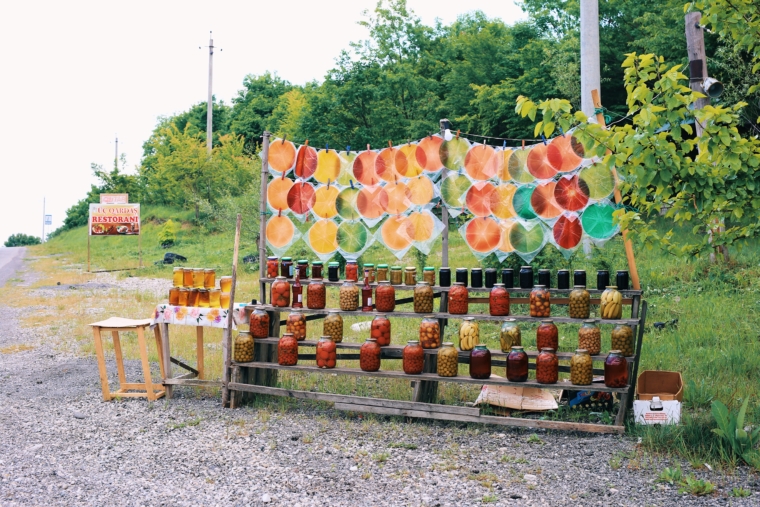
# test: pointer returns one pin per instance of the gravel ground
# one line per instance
(61, 445)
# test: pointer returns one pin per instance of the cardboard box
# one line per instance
(658, 398)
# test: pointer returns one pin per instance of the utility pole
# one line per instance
(590, 73)
(210, 111)
(43, 220)
(116, 155)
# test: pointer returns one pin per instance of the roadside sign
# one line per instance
(114, 198)
(48, 219)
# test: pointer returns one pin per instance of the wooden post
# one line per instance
(227, 340)
(139, 246)
(618, 199)
(263, 217)
(88, 248)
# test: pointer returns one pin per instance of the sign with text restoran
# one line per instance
(114, 219)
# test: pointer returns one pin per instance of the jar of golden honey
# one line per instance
(187, 277)
(198, 278)
(214, 298)
(174, 296)
(177, 277)
(203, 298)
(209, 278)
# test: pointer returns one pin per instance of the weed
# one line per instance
(402, 445)
(698, 395)
(533, 439)
(307, 439)
(486, 479)
(697, 487)
(511, 459)
(616, 461)
(740, 493)
(366, 476)
(671, 475)
(381, 457)
(489, 498)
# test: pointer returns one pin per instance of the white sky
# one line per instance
(75, 74)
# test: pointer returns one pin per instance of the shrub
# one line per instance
(22, 240)
(167, 236)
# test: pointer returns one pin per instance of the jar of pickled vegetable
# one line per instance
(517, 365)
(622, 339)
(369, 355)
(430, 333)
(209, 278)
(258, 323)
(382, 273)
(458, 299)
(303, 268)
(333, 326)
(476, 278)
(448, 361)
(547, 336)
(297, 291)
(193, 297)
(174, 296)
(547, 367)
(203, 298)
(352, 271)
(611, 305)
(316, 294)
(326, 352)
(444, 277)
(498, 300)
(198, 278)
(272, 266)
(396, 275)
(380, 330)
(540, 306)
(423, 298)
(385, 297)
(428, 274)
(410, 275)
(286, 267)
(243, 348)
(214, 298)
(281, 292)
(581, 368)
(296, 324)
(187, 277)
(225, 283)
(413, 358)
(578, 307)
(590, 338)
(333, 271)
(366, 295)
(480, 362)
(349, 296)
(369, 272)
(615, 370)
(461, 275)
(316, 270)
(469, 334)
(490, 278)
(510, 335)
(177, 277)
(287, 350)
(183, 297)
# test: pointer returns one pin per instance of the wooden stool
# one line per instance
(116, 324)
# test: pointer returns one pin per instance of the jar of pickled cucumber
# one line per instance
(547, 367)
(243, 348)
(428, 274)
(458, 299)
(622, 339)
(326, 352)
(287, 350)
(369, 272)
(410, 275)
(333, 326)
(517, 365)
(469, 334)
(498, 300)
(296, 324)
(448, 360)
(382, 273)
(547, 336)
(316, 294)
(611, 305)
(540, 305)
(281, 292)
(480, 362)
(380, 330)
(349, 296)
(581, 368)
(396, 275)
(423, 298)
(578, 307)
(510, 335)
(430, 333)
(413, 358)
(615, 370)
(259, 323)
(385, 297)
(590, 337)
(369, 355)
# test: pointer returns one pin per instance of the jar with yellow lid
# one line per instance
(410, 275)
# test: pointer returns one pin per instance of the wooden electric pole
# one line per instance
(590, 73)
(210, 108)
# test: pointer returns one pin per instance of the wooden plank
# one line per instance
(192, 382)
(183, 365)
(167, 354)
(101, 362)
(227, 332)
(199, 349)
(119, 357)
(143, 347)
(159, 350)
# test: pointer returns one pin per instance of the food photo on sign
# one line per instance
(114, 219)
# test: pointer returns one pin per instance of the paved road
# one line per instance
(10, 261)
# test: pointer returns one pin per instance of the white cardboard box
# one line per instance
(643, 413)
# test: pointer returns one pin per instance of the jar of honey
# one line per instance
(225, 283)
(183, 297)
(174, 296)
(177, 277)
(214, 298)
(198, 278)
(203, 298)
(193, 298)
(209, 278)
(224, 299)
(187, 277)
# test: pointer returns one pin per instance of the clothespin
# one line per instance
(390, 145)
(348, 148)
(368, 148)
(283, 139)
(543, 139)
(279, 213)
(327, 146)
(306, 143)
(523, 144)
(328, 183)
(504, 144)
(561, 131)
(351, 182)
(457, 133)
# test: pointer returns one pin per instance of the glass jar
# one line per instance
(177, 277)
(428, 275)
(459, 299)
(209, 278)
(302, 266)
(382, 273)
(272, 265)
(349, 296)
(540, 304)
(297, 290)
(225, 283)
(579, 277)
(352, 271)
(469, 334)
(187, 277)
(413, 358)
(369, 272)
(581, 368)
(193, 297)
(547, 367)
(333, 272)
(578, 306)
(490, 278)
(366, 295)
(461, 276)
(590, 337)
(547, 336)
(476, 278)
(622, 339)
(396, 275)
(296, 324)
(563, 279)
(224, 299)
(423, 298)
(333, 326)
(280, 292)
(369, 355)
(326, 352)
(214, 298)
(316, 270)
(203, 298)
(444, 277)
(510, 335)
(287, 350)
(183, 296)
(286, 267)
(615, 370)
(385, 297)
(517, 365)
(498, 300)
(430, 333)
(611, 304)
(259, 323)
(380, 330)
(316, 294)
(198, 278)
(508, 278)
(174, 296)
(480, 362)
(602, 279)
(526, 277)
(410, 275)
(545, 277)
(448, 361)
(621, 280)
(243, 349)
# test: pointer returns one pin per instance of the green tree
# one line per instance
(21, 239)
(252, 108)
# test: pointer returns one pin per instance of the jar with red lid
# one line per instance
(547, 367)
(287, 350)
(540, 306)
(430, 333)
(517, 365)
(615, 370)
(385, 297)
(296, 324)
(259, 323)
(380, 330)
(272, 265)
(352, 271)
(280, 292)
(458, 299)
(547, 336)
(480, 362)
(413, 358)
(498, 300)
(326, 352)
(316, 294)
(369, 355)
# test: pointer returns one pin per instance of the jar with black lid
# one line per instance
(490, 278)
(545, 277)
(508, 277)
(526, 277)
(563, 279)
(621, 280)
(602, 279)
(444, 277)
(461, 276)
(579, 277)
(476, 278)
(333, 272)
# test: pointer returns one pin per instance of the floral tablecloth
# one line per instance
(194, 316)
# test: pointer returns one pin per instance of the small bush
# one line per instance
(22, 240)
(167, 236)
